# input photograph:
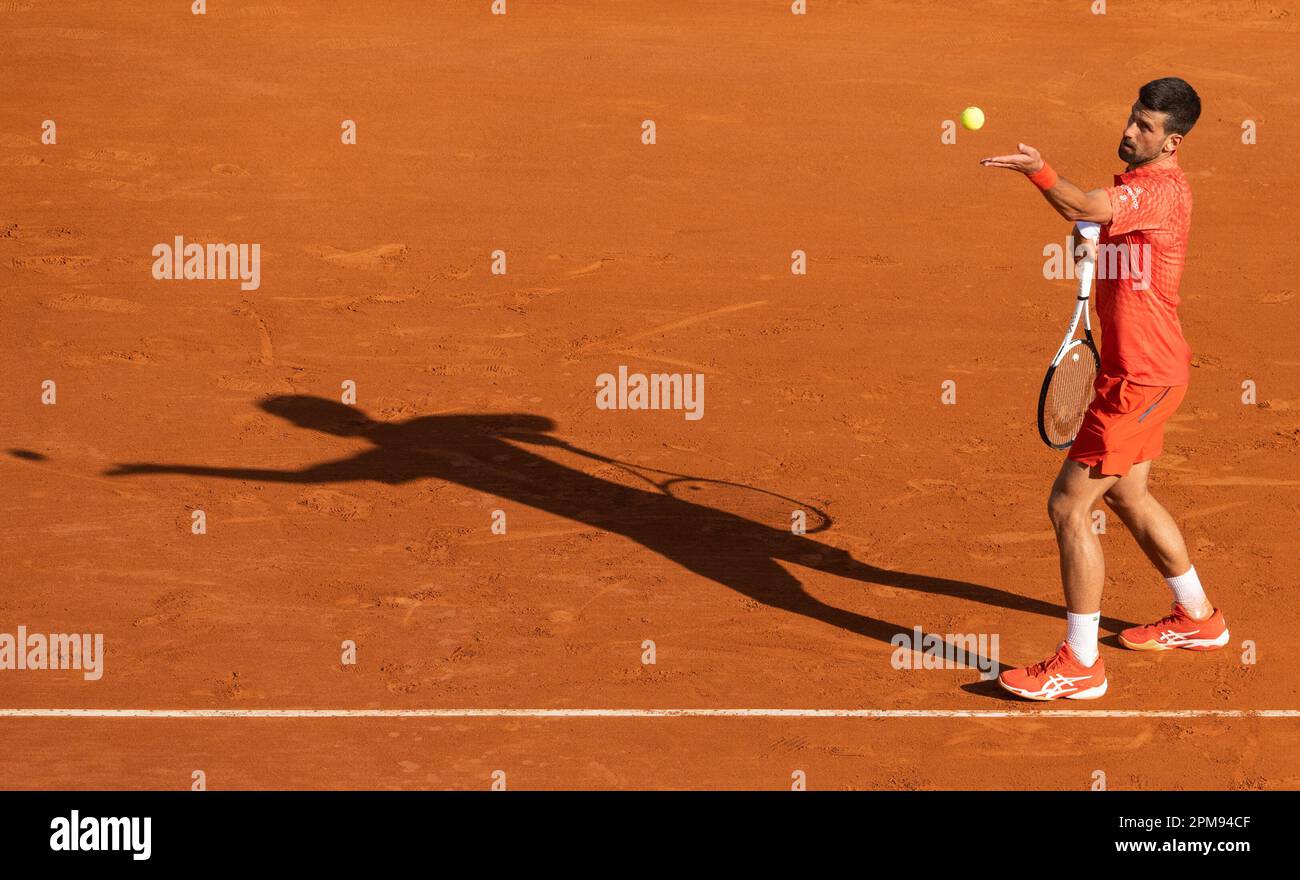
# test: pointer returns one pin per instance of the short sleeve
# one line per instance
(1140, 205)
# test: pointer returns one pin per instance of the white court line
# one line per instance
(649, 713)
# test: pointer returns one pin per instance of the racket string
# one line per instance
(1069, 393)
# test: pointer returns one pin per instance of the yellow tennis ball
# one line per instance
(972, 118)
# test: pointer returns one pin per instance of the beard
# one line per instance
(1129, 153)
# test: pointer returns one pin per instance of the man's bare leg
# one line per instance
(1083, 568)
(1076, 670)
(1155, 530)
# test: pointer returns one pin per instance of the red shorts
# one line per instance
(1124, 424)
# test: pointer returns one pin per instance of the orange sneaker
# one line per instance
(1178, 630)
(1059, 676)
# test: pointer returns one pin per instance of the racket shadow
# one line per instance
(488, 453)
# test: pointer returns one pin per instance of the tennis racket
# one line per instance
(1068, 386)
(746, 502)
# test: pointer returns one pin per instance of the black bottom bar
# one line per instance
(535, 829)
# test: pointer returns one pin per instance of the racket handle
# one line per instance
(1087, 268)
(1088, 265)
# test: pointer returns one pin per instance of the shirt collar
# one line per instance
(1148, 171)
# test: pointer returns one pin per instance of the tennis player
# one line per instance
(1144, 373)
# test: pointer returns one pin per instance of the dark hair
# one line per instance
(1174, 98)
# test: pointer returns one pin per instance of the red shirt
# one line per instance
(1139, 264)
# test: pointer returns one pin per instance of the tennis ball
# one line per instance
(972, 118)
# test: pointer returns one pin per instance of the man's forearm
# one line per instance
(1070, 201)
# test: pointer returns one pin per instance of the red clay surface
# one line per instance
(522, 133)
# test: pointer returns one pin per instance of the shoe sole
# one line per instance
(1195, 645)
(1091, 693)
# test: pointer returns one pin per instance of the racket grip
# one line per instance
(1087, 266)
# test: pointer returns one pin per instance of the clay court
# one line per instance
(475, 393)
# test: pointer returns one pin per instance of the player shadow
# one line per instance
(488, 453)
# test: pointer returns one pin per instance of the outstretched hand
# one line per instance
(1027, 161)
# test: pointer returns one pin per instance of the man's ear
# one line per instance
(1172, 142)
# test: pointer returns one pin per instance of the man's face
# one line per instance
(1144, 136)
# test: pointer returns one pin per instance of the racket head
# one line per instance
(1066, 393)
(747, 502)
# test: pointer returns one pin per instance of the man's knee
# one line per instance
(1066, 511)
(1125, 501)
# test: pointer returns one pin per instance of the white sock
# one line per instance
(1188, 592)
(1081, 635)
